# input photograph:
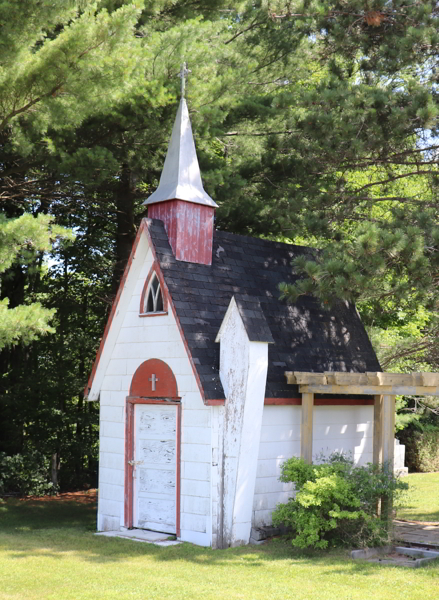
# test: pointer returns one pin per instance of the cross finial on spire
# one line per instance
(183, 72)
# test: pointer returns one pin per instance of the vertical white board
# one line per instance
(155, 489)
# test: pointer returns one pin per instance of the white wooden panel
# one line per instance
(196, 418)
(112, 476)
(324, 415)
(112, 383)
(157, 514)
(196, 452)
(282, 415)
(271, 500)
(280, 433)
(117, 367)
(155, 477)
(278, 449)
(108, 491)
(267, 485)
(111, 508)
(157, 422)
(196, 470)
(157, 481)
(193, 522)
(111, 413)
(111, 461)
(262, 518)
(196, 506)
(196, 435)
(112, 445)
(190, 487)
(111, 429)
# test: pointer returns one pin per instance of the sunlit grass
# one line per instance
(422, 498)
(48, 551)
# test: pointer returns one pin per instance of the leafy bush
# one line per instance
(421, 447)
(336, 502)
(25, 475)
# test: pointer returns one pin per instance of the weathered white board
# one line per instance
(155, 473)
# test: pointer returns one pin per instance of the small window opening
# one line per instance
(154, 302)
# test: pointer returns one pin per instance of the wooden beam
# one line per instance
(370, 390)
(306, 430)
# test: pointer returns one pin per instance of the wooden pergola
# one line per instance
(382, 386)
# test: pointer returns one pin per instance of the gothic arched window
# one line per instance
(152, 300)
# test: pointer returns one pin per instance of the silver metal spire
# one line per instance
(181, 177)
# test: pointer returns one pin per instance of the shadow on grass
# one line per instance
(50, 529)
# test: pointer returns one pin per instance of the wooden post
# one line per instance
(388, 431)
(306, 427)
(384, 443)
(377, 430)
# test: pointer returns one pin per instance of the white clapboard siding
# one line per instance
(346, 429)
(131, 341)
(280, 439)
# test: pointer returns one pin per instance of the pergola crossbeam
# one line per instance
(383, 386)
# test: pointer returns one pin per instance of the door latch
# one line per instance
(134, 463)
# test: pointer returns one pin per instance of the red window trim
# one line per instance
(154, 269)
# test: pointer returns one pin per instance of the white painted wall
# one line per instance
(336, 428)
(131, 341)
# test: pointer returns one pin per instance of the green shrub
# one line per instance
(25, 475)
(336, 502)
(421, 447)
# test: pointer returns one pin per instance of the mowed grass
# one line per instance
(422, 502)
(48, 551)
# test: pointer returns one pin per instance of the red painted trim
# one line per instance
(154, 269)
(131, 402)
(214, 402)
(141, 382)
(129, 455)
(178, 473)
(282, 401)
(342, 402)
(143, 226)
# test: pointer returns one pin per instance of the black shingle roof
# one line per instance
(306, 336)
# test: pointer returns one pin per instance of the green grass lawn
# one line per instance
(422, 499)
(48, 551)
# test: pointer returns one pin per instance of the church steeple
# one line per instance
(180, 200)
(181, 177)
